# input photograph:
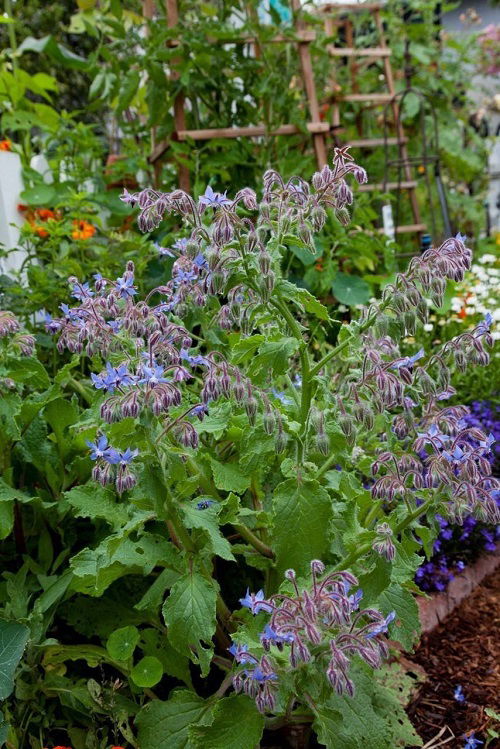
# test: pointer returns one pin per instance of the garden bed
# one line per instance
(435, 609)
(463, 651)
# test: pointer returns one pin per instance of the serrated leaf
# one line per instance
(302, 515)
(245, 348)
(304, 298)
(189, 614)
(122, 643)
(273, 358)
(229, 477)
(13, 639)
(237, 724)
(406, 628)
(207, 520)
(165, 725)
(350, 290)
(147, 672)
(93, 501)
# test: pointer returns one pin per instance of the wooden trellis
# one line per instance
(337, 17)
(318, 129)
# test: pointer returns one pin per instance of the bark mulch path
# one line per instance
(463, 650)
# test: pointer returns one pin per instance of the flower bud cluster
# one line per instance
(151, 359)
(10, 328)
(320, 623)
(112, 466)
(224, 241)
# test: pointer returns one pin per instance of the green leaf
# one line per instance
(56, 51)
(30, 371)
(147, 672)
(189, 613)
(304, 298)
(229, 477)
(165, 725)
(13, 639)
(122, 643)
(273, 358)
(6, 518)
(94, 501)
(128, 90)
(302, 514)
(207, 520)
(406, 628)
(350, 290)
(40, 195)
(245, 348)
(237, 724)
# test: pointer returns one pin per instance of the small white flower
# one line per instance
(428, 327)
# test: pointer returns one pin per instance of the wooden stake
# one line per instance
(172, 13)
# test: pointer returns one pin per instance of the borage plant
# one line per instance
(236, 434)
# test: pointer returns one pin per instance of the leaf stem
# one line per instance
(252, 539)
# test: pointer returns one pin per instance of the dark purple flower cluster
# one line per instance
(112, 465)
(149, 357)
(321, 623)
(10, 328)
(222, 240)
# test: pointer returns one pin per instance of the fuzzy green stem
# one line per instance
(404, 523)
(341, 346)
(252, 539)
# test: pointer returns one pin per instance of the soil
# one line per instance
(464, 650)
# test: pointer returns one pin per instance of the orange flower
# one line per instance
(45, 213)
(82, 230)
(5, 145)
(43, 233)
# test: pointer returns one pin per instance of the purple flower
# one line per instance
(460, 565)
(152, 375)
(258, 675)
(269, 636)
(409, 361)
(127, 197)
(51, 326)
(127, 456)
(81, 291)
(115, 325)
(193, 360)
(163, 251)
(204, 504)
(256, 602)
(200, 411)
(484, 326)
(200, 262)
(181, 244)
(214, 199)
(381, 627)
(73, 315)
(125, 287)
(458, 694)
(461, 237)
(241, 654)
(114, 377)
(281, 397)
(100, 450)
(471, 742)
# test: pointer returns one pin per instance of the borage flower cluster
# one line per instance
(149, 359)
(215, 251)
(321, 624)
(18, 341)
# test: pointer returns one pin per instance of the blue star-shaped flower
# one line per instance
(214, 199)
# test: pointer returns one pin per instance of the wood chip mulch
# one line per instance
(463, 650)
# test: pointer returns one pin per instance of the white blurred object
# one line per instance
(388, 221)
(40, 164)
(11, 186)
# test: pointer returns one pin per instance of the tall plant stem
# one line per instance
(11, 31)
(404, 523)
(306, 393)
(341, 346)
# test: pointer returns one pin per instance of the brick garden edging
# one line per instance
(436, 608)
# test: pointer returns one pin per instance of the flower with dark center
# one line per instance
(213, 199)
(125, 287)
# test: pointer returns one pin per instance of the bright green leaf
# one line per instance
(147, 672)
(122, 643)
